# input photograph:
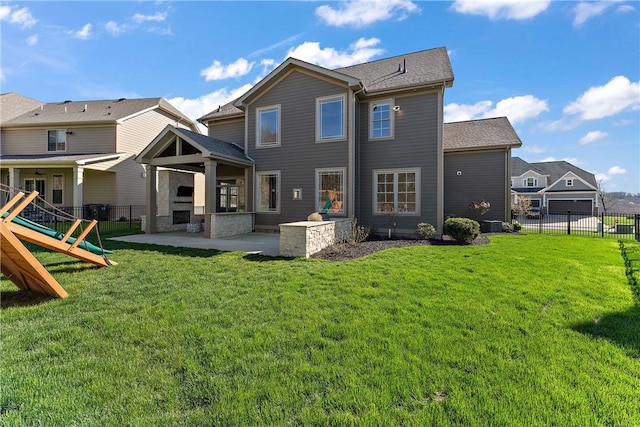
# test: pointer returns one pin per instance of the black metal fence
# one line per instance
(605, 225)
(110, 217)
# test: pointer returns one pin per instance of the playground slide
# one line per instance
(57, 235)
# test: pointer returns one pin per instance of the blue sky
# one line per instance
(566, 74)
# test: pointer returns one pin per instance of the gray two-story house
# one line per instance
(365, 141)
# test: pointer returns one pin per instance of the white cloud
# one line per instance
(32, 40)
(359, 13)
(217, 71)
(157, 17)
(586, 10)
(625, 8)
(571, 160)
(195, 108)
(362, 50)
(618, 95)
(533, 149)
(501, 9)
(82, 34)
(21, 16)
(517, 109)
(616, 170)
(592, 136)
(607, 176)
(114, 28)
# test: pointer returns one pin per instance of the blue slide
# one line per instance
(57, 235)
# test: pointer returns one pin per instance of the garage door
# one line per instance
(575, 206)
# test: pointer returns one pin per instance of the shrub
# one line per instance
(357, 234)
(462, 230)
(425, 230)
(479, 208)
(516, 226)
(507, 228)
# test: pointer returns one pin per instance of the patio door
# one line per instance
(227, 196)
(35, 184)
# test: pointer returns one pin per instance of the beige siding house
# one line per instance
(81, 152)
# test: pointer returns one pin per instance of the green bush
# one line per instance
(425, 230)
(507, 228)
(516, 225)
(462, 230)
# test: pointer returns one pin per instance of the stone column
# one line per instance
(210, 180)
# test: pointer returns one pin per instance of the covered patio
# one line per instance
(228, 174)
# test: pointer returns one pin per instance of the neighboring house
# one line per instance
(81, 152)
(365, 141)
(555, 187)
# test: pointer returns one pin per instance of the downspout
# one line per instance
(351, 205)
(440, 166)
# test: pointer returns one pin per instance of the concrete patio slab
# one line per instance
(252, 243)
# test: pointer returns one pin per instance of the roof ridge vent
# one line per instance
(67, 101)
(121, 99)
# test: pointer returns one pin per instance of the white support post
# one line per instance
(78, 180)
(152, 200)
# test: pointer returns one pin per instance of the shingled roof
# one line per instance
(554, 170)
(13, 105)
(479, 135)
(423, 68)
(412, 70)
(106, 111)
(214, 145)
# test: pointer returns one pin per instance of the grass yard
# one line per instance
(527, 330)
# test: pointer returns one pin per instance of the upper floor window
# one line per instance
(381, 115)
(569, 182)
(57, 140)
(330, 122)
(530, 182)
(268, 126)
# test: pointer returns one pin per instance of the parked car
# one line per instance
(534, 213)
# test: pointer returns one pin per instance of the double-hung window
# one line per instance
(330, 190)
(396, 191)
(57, 140)
(381, 115)
(268, 191)
(330, 118)
(530, 182)
(268, 126)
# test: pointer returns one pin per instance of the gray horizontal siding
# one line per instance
(298, 155)
(415, 145)
(230, 131)
(577, 186)
(483, 177)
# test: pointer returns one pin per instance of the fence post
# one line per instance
(637, 226)
(130, 216)
(602, 224)
(569, 223)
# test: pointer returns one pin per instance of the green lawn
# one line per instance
(527, 330)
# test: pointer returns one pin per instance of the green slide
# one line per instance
(57, 235)
(327, 206)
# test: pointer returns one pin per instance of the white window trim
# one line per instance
(524, 182)
(66, 142)
(278, 192)
(344, 188)
(569, 182)
(259, 143)
(377, 172)
(319, 102)
(372, 104)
